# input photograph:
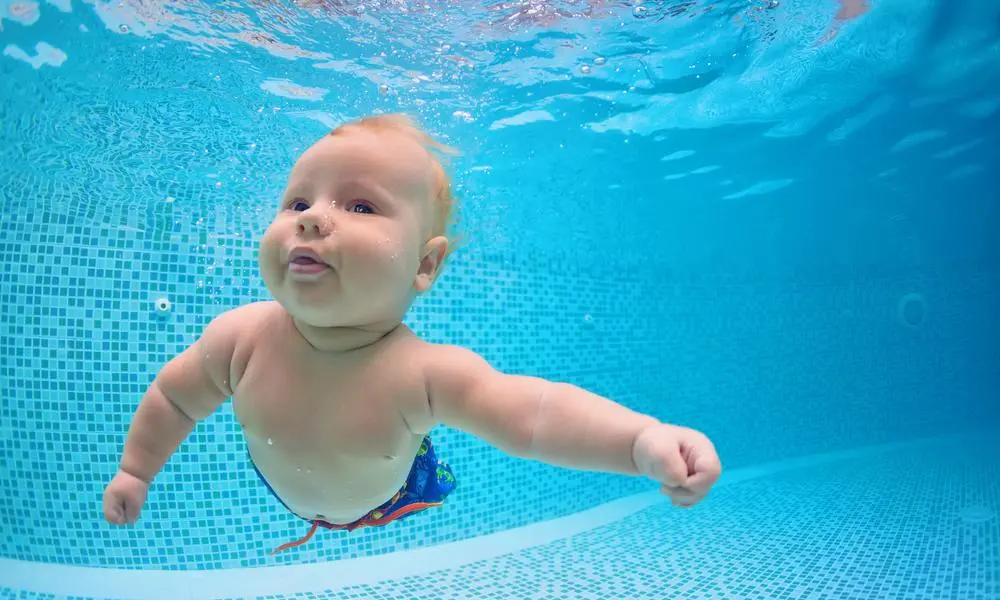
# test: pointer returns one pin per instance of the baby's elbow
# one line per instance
(527, 399)
(501, 415)
(518, 438)
(157, 392)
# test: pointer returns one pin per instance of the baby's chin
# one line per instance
(332, 317)
(320, 317)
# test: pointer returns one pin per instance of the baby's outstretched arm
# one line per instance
(187, 389)
(564, 425)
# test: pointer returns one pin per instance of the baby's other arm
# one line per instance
(564, 425)
(190, 387)
(529, 417)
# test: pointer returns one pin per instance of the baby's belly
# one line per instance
(334, 489)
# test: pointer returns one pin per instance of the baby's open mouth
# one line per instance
(306, 263)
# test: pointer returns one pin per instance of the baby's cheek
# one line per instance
(267, 247)
(267, 258)
(387, 257)
(389, 270)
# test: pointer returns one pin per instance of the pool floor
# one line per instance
(913, 520)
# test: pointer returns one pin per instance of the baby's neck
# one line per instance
(344, 339)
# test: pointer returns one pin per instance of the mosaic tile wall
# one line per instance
(909, 523)
(769, 370)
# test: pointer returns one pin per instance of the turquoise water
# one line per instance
(715, 213)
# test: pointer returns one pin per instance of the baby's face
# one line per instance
(349, 244)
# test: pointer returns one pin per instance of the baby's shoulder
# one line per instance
(408, 355)
(242, 325)
(232, 337)
(430, 359)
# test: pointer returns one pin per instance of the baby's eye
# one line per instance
(298, 205)
(363, 207)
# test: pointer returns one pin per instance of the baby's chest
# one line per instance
(306, 412)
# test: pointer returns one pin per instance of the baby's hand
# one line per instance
(682, 459)
(124, 498)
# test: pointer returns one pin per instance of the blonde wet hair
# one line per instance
(442, 198)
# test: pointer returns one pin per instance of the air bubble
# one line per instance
(911, 310)
(584, 69)
(600, 60)
(383, 89)
(270, 442)
(123, 28)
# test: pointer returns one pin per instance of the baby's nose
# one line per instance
(315, 224)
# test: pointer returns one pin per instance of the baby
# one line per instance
(336, 396)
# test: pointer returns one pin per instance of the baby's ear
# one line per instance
(430, 263)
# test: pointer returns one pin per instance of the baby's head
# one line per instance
(362, 225)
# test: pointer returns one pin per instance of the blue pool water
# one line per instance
(716, 213)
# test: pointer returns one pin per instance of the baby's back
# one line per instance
(328, 431)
